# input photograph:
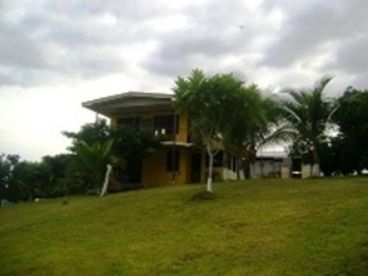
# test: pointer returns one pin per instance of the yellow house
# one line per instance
(179, 160)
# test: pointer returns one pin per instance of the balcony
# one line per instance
(164, 135)
(165, 127)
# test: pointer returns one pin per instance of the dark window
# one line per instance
(172, 161)
(234, 163)
(166, 124)
(147, 124)
(229, 161)
(296, 164)
(130, 121)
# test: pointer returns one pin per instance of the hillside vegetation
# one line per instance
(258, 227)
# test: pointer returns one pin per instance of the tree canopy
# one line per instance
(96, 143)
(210, 101)
(308, 113)
(352, 121)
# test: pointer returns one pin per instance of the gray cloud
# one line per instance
(360, 81)
(192, 48)
(48, 40)
(60, 53)
(130, 10)
(322, 23)
(215, 31)
(351, 56)
(78, 39)
(17, 50)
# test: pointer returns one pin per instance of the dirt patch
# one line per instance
(202, 196)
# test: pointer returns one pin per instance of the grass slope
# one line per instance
(259, 227)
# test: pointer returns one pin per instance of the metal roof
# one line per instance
(271, 154)
(129, 101)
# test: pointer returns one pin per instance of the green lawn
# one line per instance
(260, 227)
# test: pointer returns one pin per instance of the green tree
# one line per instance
(130, 145)
(7, 189)
(93, 161)
(28, 178)
(24, 180)
(239, 136)
(308, 113)
(57, 166)
(209, 100)
(90, 133)
(256, 123)
(352, 121)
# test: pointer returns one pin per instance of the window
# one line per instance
(229, 161)
(129, 121)
(147, 125)
(172, 161)
(165, 124)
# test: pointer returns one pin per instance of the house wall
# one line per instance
(285, 167)
(182, 136)
(306, 170)
(154, 166)
(271, 168)
(113, 121)
(229, 174)
(154, 169)
(285, 172)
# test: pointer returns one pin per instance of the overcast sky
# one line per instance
(56, 54)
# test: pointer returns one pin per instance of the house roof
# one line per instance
(131, 102)
(280, 154)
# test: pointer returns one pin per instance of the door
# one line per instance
(196, 167)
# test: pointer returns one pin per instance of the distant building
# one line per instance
(269, 164)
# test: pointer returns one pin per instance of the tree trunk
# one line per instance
(246, 168)
(238, 164)
(252, 170)
(316, 166)
(210, 169)
(237, 167)
(240, 168)
(106, 182)
(225, 174)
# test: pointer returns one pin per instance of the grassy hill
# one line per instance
(259, 227)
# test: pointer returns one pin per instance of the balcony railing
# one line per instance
(163, 135)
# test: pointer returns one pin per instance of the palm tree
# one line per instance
(94, 159)
(256, 124)
(308, 113)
